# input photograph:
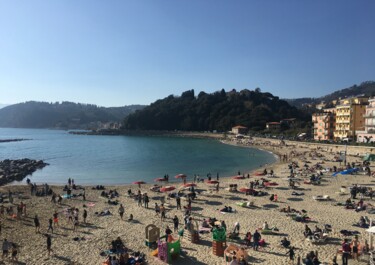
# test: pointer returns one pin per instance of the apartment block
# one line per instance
(368, 134)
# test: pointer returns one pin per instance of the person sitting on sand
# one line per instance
(349, 204)
(307, 231)
(286, 209)
(285, 242)
(360, 206)
(236, 229)
(362, 222)
(247, 238)
(265, 226)
(130, 218)
(205, 224)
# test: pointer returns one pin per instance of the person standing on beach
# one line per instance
(139, 198)
(121, 211)
(37, 224)
(56, 219)
(5, 248)
(175, 223)
(256, 239)
(84, 215)
(157, 209)
(49, 245)
(50, 227)
(291, 255)
(162, 211)
(345, 252)
(178, 201)
(147, 200)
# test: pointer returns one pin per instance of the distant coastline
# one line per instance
(203, 135)
(12, 140)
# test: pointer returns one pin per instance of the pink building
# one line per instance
(324, 124)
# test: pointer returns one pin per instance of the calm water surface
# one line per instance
(123, 159)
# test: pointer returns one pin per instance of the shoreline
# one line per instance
(100, 231)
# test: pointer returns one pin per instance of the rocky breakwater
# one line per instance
(17, 170)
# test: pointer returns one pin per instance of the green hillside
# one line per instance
(217, 111)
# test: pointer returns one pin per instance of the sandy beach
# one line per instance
(99, 231)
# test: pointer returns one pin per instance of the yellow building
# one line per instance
(349, 117)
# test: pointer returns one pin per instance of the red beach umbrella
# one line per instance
(167, 188)
(245, 190)
(189, 185)
(180, 176)
(212, 182)
(139, 183)
(160, 179)
(238, 177)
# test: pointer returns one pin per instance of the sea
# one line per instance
(117, 160)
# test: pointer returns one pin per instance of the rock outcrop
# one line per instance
(17, 170)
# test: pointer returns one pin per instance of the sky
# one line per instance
(115, 53)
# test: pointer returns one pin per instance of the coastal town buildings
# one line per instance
(324, 124)
(273, 126)
(239, 129)
(350, 117)
(368, 134)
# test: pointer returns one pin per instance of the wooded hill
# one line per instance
(366, 88)
(65, 115)
(217, 111)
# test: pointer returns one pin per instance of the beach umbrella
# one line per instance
(245, 190)
(189, 185)
(180, 176)
(238, 177)
(160, 179)
(139, 183)
(167, 188)
(212, 182)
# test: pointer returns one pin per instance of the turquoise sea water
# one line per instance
(124, 159)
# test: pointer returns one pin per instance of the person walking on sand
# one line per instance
(49, 245)
(37, 224)
(121, 211)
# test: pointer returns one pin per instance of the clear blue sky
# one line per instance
(114, 53)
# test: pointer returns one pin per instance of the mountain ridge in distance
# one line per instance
(64, 115)
(366, 88)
